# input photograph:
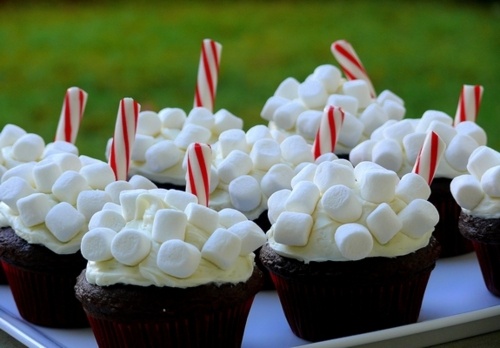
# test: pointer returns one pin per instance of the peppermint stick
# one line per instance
(71, 115)
(208, 73)
(328, 131)
(468, 103)
(124, 136)
(199, 159)
(350, 63)
(429, 156)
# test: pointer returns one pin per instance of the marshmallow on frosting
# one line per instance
(296, 107)
(369, 211)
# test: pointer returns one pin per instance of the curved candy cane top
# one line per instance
(208, 74)
(199, 160)
(468, 103)
(71, 115)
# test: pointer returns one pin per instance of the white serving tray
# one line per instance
(456, 305)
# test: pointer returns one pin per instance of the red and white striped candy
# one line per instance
(71, 115)
(124, 136)
(350, 63)
(429, 156)
(468, 103)
(199, 160)
(208, 74)
(328, 131)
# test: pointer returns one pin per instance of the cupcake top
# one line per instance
(478, 192)
(51, 202)
(165, 238)
(296, 107)
(162, 139)
(396, 144)
(248, 167)
(337, 212)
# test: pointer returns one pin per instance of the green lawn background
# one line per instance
(423, 51)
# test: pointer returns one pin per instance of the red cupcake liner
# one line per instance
(45, 299)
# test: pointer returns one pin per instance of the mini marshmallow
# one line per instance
(28, 147)
(34, 208)
(378, 134)
(180, 199)
(200, 116)
(162, 155)
(432, 115)
(365, 167)
(192, 133)
(398, 130)
(348, 103)
(224, 120)
(141, 182)
(307, 123)
(13, 189)
(304, 197)
(473, 130)
(169, 224)
(86, 160)
(98, 175)
(412, 143)
(23, 171)
(360, 90)
(114, 189)
(10, 133)
(295, 150)
(457, 152)
(251, 235)
(232, 139)
(292, 228)
(202, 217)
(362, 152)
(178, 258)
(67, 161)
(128, 200)
(482, 159)
(288, 88)
(412, 186)
(306, 172)
(286, 115)
(373, 117)
(141, 144)
(354, 241)
(467, 191)
(387, 95)
(148, 203)
(418, 218)
(332, 173)
(222, 248)
(256, 133)
(237, 163)
(45, 174)
(148, 123)
(312, 93)
(271, 105)
(276, 204)
(351, 131)
(172, 118)
(388, 154)
(490, 182)
(394, 110)
(278, 177)
(64, 221)
(445, 131)
(245, 193)
(342, 204)
(130, 247)
(265, 153)
(91, 201)
(378, 186)
(383, 223)
(59, 147)
(229, 216)
(68, 186)
(329, 75)
(96, 244)
(108, 218)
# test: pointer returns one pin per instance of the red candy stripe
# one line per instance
(429, 157)
(468, 103)
(208, 73)
(328, 131)
(198, 171)
(71, 115)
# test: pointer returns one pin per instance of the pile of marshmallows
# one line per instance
(224, 235)
(361, 200)
(298, 107)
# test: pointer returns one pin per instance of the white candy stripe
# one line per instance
(468, 103)
(208, 73)
(123, 139)
(328, 131)
(199, 159)
(350, 63)
(429, 156)
(71, 115)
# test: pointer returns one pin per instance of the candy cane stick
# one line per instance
(350, 63)
(468, 103)
(208, 74)
(199, 159)
(429, 156)
(71, 115)
(328, 131)
(124, 136)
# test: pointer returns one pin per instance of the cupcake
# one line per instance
(478, 195)
(395, 146)
(162, 138)
(171, 273)
(48, 206)
(354, 241)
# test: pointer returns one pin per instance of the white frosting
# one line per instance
(371, 213)
(396, 144)
(296, 107)
(162, 138)
(145, 252)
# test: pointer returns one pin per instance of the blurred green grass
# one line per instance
(423, 51)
